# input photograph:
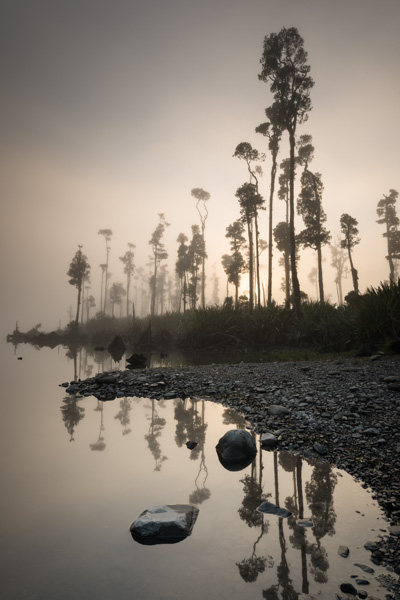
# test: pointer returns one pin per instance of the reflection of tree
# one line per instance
(283, 571)
(123, 415)
(72, 354)
(190, 425)
(156, 425)
(319, 493)
(201, 492)
(71, 415)
(232, 417)
(250, 568)
(99, 444)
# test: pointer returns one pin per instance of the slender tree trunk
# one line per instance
(320, 280)
(305, 585)
(319, 250)
(389, 256)
(292, 238)
(101, 290)
(354, 272)
(78, 305)
(270, 248)
(203, 272)
(251, 267)
(257, 262)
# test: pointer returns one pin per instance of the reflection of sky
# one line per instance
(67, 509)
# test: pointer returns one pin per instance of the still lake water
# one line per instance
(76, 474)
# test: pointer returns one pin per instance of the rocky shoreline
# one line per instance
(345, 411)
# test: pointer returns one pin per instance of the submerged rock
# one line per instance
(165, 524)
(273, 509)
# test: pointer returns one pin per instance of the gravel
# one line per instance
(346, 412)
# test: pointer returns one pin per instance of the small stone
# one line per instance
(362, 582)
(268, 440)
(364, 568)
(394, 530)
(277, 410)
(191, 445)
(343, 551)
(348, 588)
(304, 523)
(320, 448)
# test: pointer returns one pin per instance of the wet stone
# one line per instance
(343, 551)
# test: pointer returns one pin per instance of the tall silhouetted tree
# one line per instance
(78, 270)
(234, 264)
(90, 303)
(250, 201)
(159, 254)
(309, 206)
(338, 262)
(182, 267)
(348, 225)
(117, 292)
(250, 155)
(129, 267)
(107, 234)
(196, 254)
(282, 241)
(202, 197)
(284, 67)
(273, 131)
(387, 214)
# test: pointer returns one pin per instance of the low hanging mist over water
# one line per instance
(77, 472)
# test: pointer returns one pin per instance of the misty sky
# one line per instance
(112, 111)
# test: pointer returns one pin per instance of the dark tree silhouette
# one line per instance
(309, 206)
(182, 268)
(78, 271)
(159, 254)
(387, 214)
(129, 267)
(273, 131)
(246, 152)
(282, 241)
(196, 254)
(284, 67)
(234, 264)
(72, 414)
(202, 197)
(117, 292)
(107, 233)
(250, 201)
(348, 225)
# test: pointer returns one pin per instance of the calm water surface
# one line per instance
(76, 473)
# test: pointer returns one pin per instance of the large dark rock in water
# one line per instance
(117, 348)
(236, 449)
(166, 524)
(136, 361)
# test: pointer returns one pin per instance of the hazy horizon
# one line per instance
(113, 112)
